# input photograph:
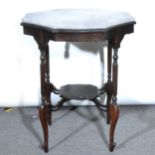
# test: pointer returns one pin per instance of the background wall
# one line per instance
(19, 55)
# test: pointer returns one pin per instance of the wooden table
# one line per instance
(78, 26)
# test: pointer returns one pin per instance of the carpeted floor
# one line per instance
(78, 131)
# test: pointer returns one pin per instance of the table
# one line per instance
(78, 25)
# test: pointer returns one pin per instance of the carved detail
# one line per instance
(43, 57)
(115, 71)
(115, 56)
(42, 39)
(114, 111)
(109, 58)
(109, 83)
(116, 40)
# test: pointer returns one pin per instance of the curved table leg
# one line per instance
(49, 112)
(43, 120)
(114, 114)
(109, 97)
(114, 111)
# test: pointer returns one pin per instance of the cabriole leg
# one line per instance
(114, 111)
(114, 114)
(43, 120)
(44, 112)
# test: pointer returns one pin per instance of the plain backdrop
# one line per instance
(19, 54)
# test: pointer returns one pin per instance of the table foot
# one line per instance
(45, 148)
(112, 146)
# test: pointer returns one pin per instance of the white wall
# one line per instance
(19, 55)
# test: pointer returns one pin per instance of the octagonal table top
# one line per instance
(77, 19)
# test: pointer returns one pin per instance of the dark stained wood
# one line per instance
(42, 114)
(78, 37)
(114, 114)
(47, 81)
(115, 71)
(49, 112)
(109, 93)
(114, 111)
(85, 35)
(56, 30)
(109, 62)
(114, 36)
(109, 97)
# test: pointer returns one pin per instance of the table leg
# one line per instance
(109, 94)
(45, 81)
(48, 91)
(44, 112)
(114, 111)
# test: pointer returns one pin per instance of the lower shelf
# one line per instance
(79, 92)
